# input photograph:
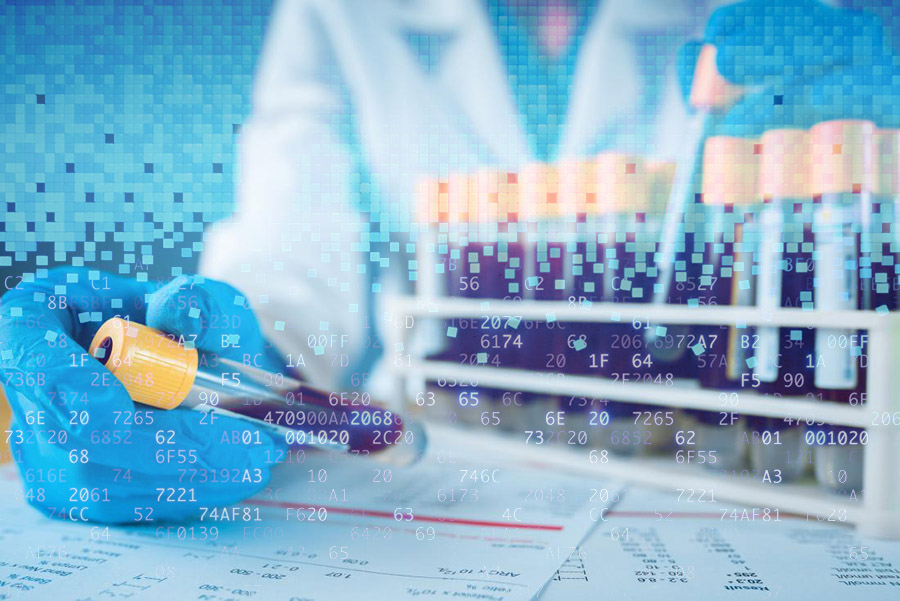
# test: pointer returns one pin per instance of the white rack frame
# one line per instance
(877, 513)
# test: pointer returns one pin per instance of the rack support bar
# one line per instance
(881, 476)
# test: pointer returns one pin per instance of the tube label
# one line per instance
(836, 289)
(769, 287)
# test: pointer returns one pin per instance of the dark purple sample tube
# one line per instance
(730, 170)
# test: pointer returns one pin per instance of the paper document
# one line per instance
(654, 546)
(455, 525)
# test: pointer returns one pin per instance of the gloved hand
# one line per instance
(84, 449)
(802, 62)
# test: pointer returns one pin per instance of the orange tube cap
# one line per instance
(784, 170)
(730, 171)
(842, 160)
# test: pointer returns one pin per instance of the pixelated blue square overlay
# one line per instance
(121, 163)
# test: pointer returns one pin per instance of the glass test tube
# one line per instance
(589, 353)
(785, 279)
(661, 176)
(842, 167)
(467, 283)
(433, 252)
(547, 275)
(450, 237)
(436, 265)
(730, 170)
(614, 425)
(585, 342)
(623, 191)
(632, 209)
(513, 234)
(885, 229)
(158, 371)
(499, 336)
(846, 179)
(784, 355)
(843, 170)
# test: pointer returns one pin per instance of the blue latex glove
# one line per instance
(802, 61)
(83, 447)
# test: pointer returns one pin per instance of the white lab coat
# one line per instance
(333, 70)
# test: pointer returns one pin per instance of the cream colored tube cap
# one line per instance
(730, 171)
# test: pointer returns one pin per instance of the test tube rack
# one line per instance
(876, 512)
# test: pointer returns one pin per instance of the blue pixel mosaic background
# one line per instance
(119, 124)
(119, 127)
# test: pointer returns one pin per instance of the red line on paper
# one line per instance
(416, 518)
(661, 514)
(688, 515)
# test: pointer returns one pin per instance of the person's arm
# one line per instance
(294, 244)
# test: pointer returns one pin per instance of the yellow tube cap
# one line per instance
(155, 369)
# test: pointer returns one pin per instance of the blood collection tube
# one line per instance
(843, 179)
(466, 282)
(433, 249)
(435, 263)
(884, 243)
(624, 194)
(660, 176)
(679, 263)
(633, 212)
(595, 225)
(158, 371)
(513, 238)
(547, 277)
(578, 191)
(785, 263)
(442, 252)
(784, 279)
(585, 342)
(499, 337)
(730, 171)
(839, 450)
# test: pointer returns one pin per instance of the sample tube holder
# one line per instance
(876, 512)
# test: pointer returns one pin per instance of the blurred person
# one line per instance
(353, 102)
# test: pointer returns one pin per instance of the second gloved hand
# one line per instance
(84, 449)
(801, 62)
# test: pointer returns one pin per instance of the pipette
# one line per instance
(157, 370)
(710, 94)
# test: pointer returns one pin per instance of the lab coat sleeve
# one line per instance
(294, 245)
